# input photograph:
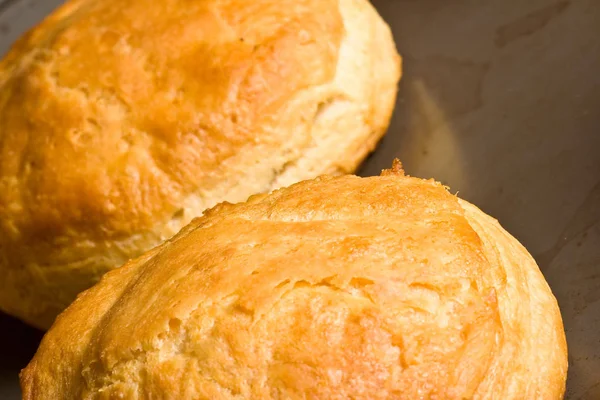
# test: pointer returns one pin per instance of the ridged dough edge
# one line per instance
(531, 344)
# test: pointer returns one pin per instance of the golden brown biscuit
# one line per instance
(121, 121)
(334, 288)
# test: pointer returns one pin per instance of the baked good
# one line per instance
(334, 288)
(121, 121)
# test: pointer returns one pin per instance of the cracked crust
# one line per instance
(120, 122)
(334, 288)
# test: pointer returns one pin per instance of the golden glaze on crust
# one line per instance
(335, 288)
(121, 121)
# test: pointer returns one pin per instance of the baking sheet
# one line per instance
(501, 101)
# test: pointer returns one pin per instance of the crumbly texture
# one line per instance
(121, 121)
(335, 288)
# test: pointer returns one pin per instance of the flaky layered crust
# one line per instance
(121, 121)
(335, 288)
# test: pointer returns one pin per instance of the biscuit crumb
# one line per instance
(395, 170)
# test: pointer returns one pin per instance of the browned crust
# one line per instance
(365, 288)
(121, 121)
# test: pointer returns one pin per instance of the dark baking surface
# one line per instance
(501, 101)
